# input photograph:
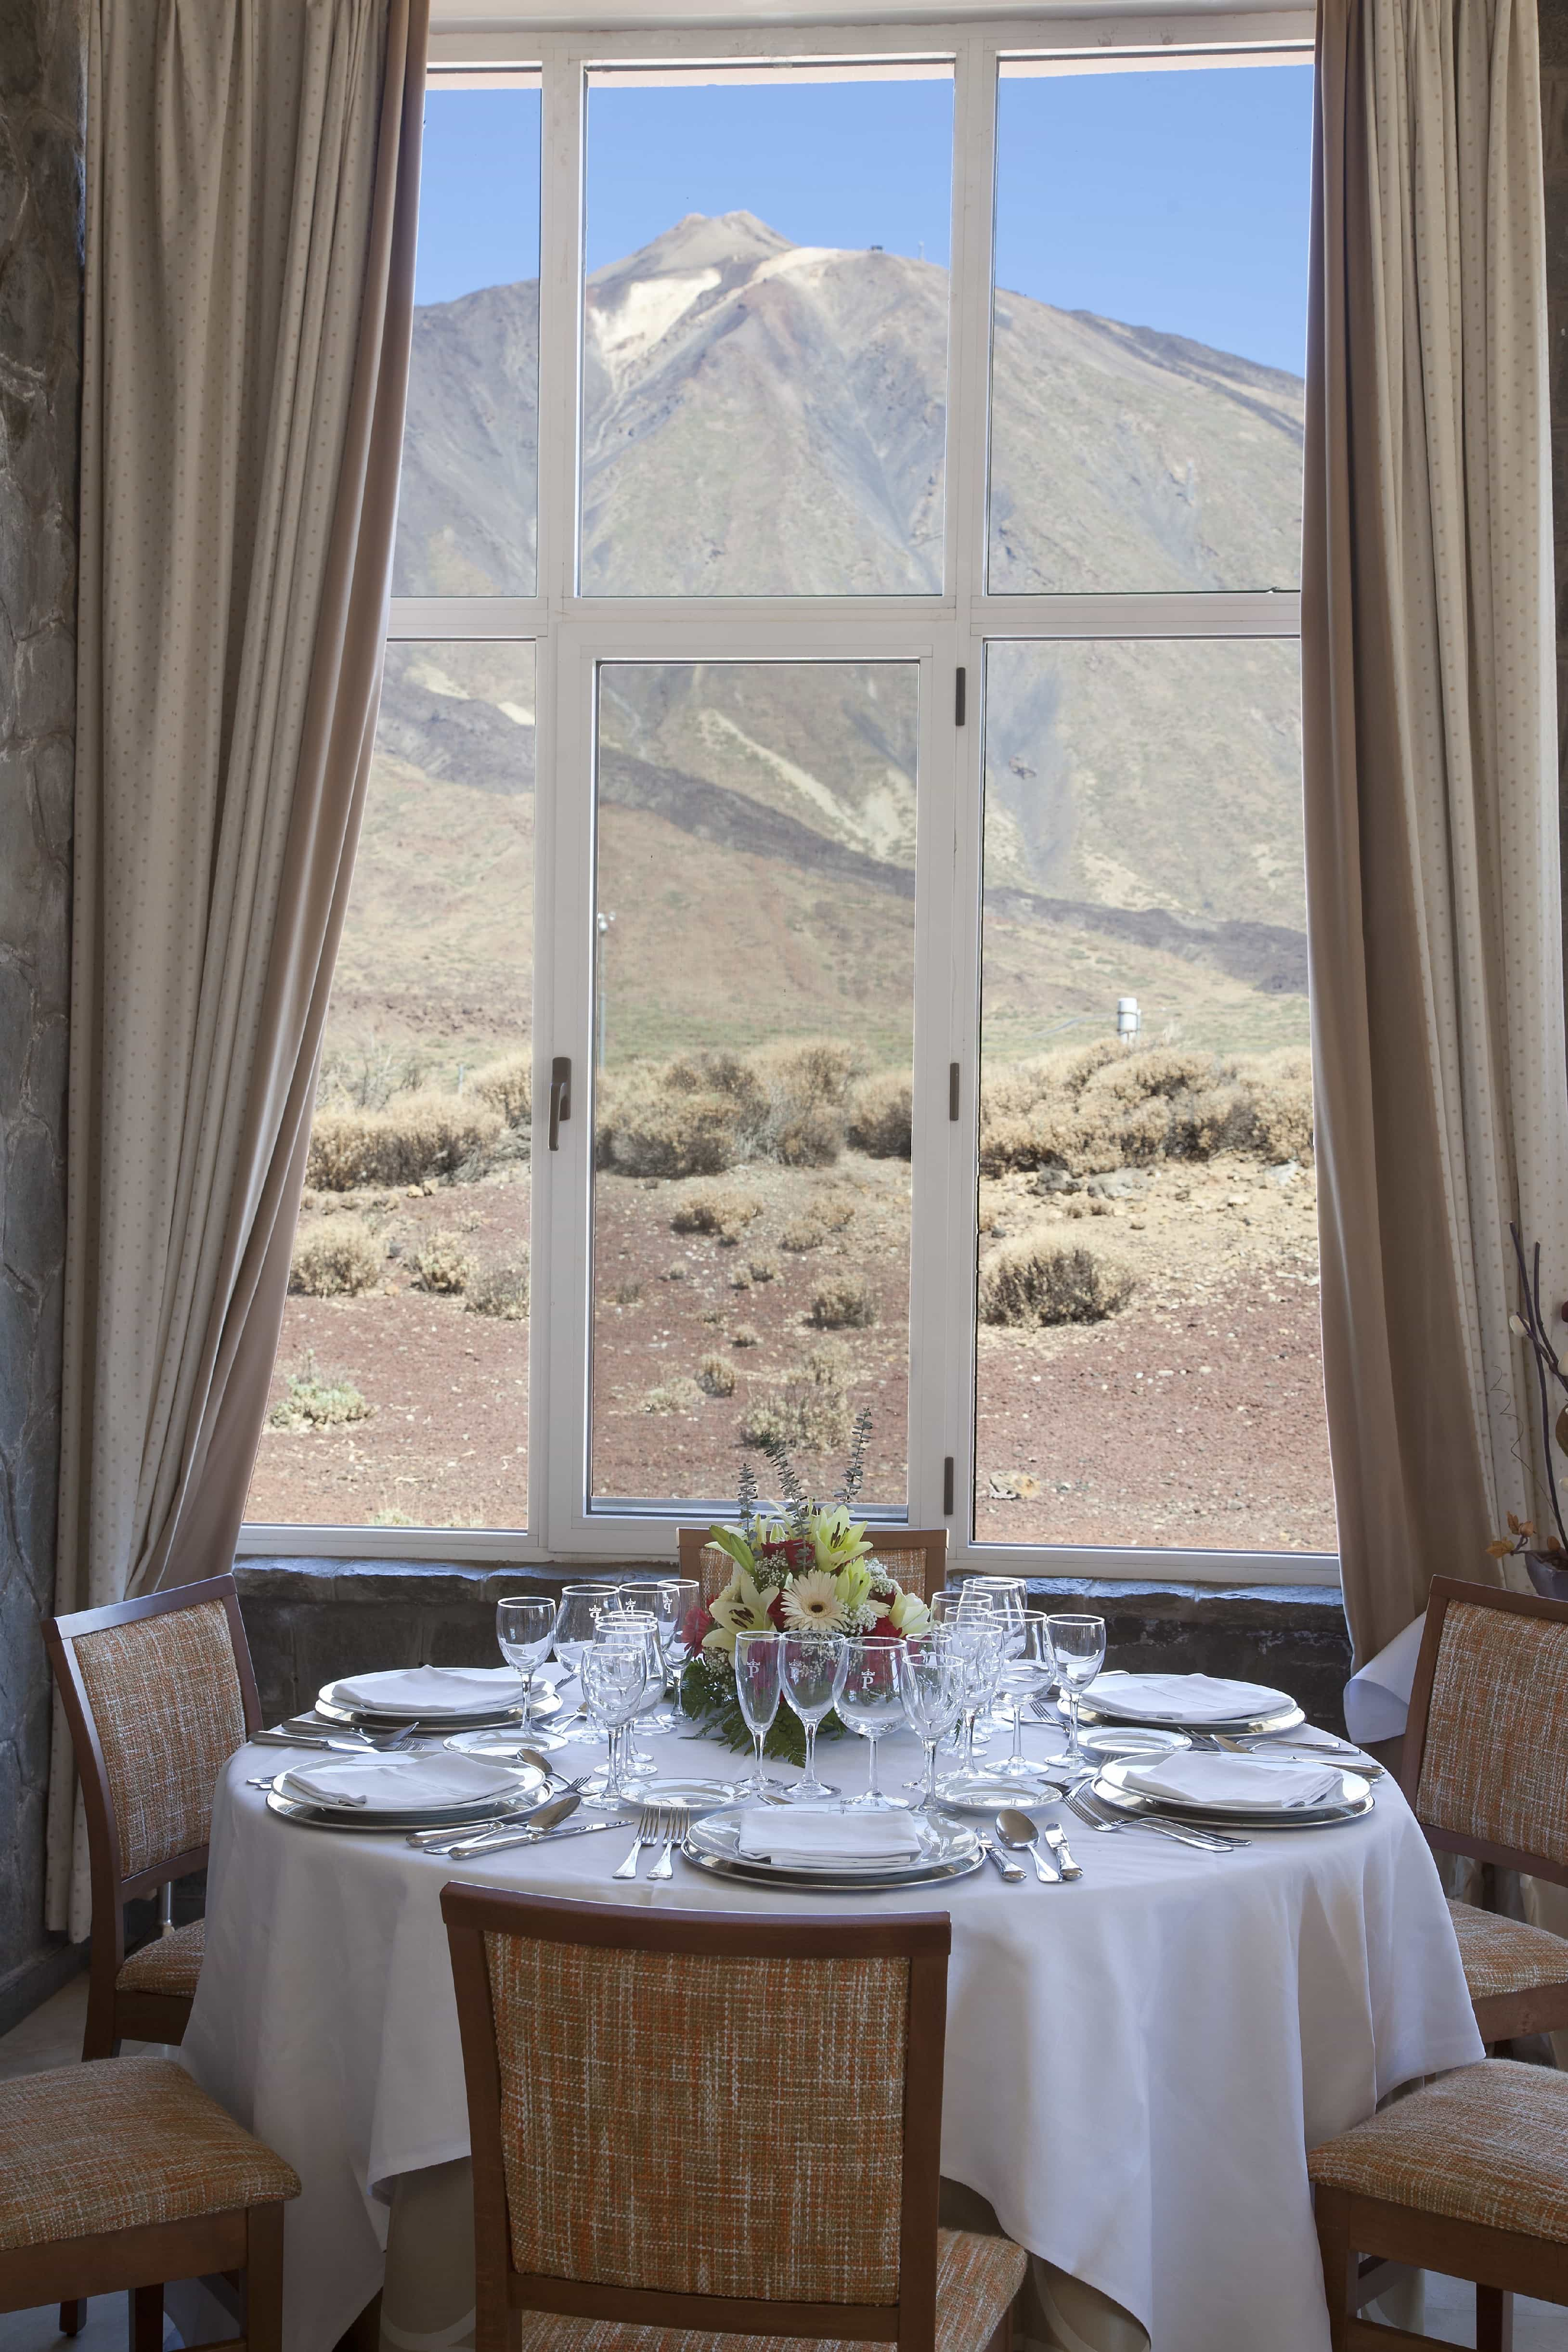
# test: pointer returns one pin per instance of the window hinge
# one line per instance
(947, 1487)
(953, 1085)
(958, 685)
(560, 1096)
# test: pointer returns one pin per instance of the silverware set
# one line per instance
(663, 1825)
(1096, 1816)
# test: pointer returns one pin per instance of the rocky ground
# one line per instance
(1193, 1418)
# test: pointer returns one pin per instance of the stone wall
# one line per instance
(41, 122)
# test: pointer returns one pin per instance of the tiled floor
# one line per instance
(52, 2037)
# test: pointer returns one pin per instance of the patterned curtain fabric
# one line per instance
(252, 190)
(1431, 781)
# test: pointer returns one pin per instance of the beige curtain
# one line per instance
(1432, 851)
(252, 187)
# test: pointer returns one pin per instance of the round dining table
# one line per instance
(1137, 2061)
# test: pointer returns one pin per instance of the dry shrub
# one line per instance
(716, 1376)
(845, 1304)
(881, 1116)
(803, 1233)
(1040, 1281)
(679, 1395)
(723, 1210)
(1103, 1107)
(742, 1335)
(336, 1260)
(498, 1290)
(810, 1412)
(439, 1262)
(627, 1294)
(507, 1087)
(650, 1124)
(765, 1269)
(742, 1279)
(415, 1139)
(318, 1399)
(835, 1210)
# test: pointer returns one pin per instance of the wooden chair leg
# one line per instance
(264, 2279)
(1494, 2319)
(73, 2318)
(1341, 2269)
(146, 2319)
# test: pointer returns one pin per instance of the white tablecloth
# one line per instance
(1136, 2063)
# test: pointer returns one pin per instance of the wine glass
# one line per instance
(1008, 1597)
(525, 1628)
(579, 1614)
(811, 1672)
(614, 1679)
(665, 1598)
(975, 1644)
(1028, 1669)
(871, 1703)
(757, 1662)
(1078, 1648)
(929, 1692)
(622, 1623)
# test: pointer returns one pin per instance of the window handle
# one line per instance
(560, 1096)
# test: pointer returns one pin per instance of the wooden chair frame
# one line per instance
(1500, 2263)
(68, 2270)
(112, 2015)
(930, 1541)
(1503, 2016)
(923, 1939)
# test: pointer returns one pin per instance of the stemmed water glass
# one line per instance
(525, 1628)
(930, 1690)
(614, 1679)
(1008, 1597)
(871, 1703)
(639, 1628)
(666, 1600)
(1077, 1649)
(1028, 1669)
(975, 1643)
(575, 1621)
(758, 1657)
(811, 1672)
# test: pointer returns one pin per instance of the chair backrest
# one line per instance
(1485, 1747)
(915, 1557)
(703, 2120)
(159, 1693)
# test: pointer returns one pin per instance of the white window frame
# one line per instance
(943, 632)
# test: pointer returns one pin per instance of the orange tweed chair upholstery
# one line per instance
(770, 2174)
(122, 2174)
(1486, 1771)
(159, 1695)
(916, 1557)
(1467, 2176)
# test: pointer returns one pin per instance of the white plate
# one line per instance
(332, 1706)
(942, 1844)
(406, 1786)
(475, 1817)
(985, 1799)
(749, 1873)
(1145, 1739)
(698, 1796)
(1110, 1785)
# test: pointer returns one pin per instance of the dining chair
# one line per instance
(915, 1557)
(122, 2174)
(1468, 2176)
(770, 2170)
(1486, 1773)
(158, 1694)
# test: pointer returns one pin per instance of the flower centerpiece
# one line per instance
(809, 1567)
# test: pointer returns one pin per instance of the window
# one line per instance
(866, 464)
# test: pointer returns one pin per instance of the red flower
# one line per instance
(776, 1611)
(699, 1623)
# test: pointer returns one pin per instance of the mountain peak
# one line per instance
(699, 241)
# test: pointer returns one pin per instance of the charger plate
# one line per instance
(951, 1849)
(1234, 1727)
(820, 1882)
(319, 1817)
(1110, 1786)
(547, 1701)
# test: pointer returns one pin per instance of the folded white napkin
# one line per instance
(1182, 1699)
(806, 1840)
(1377, 1697)
(433, 1690)
(400, 1784)
(1257, 1782)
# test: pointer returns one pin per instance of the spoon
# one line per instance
(548, 1817)
(1020, 1834)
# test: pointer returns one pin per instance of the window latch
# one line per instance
(947, 1482)
(958, 687)
(560, 1096)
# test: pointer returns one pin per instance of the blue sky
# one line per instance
(1169, 200)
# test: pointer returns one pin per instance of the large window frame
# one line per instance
(943, 633)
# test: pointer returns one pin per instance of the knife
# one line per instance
(476, 1846)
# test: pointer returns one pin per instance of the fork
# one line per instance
(650, 1824)
(1207, 1842)
(677, 1821)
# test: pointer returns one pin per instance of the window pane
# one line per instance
(1149, 331)
(467, 520)
(765, 331)
(754, 1024)
(1149, 1361)
(400, 1395)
